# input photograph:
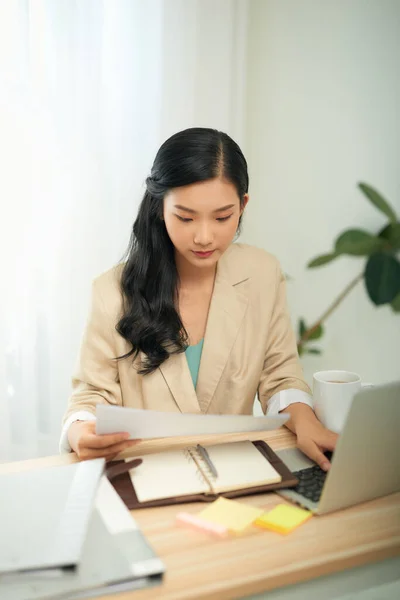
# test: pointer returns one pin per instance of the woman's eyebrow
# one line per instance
(193, 212)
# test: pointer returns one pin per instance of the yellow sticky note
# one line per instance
(283, 518)
(230, 514)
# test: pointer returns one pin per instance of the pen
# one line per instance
(207, 459)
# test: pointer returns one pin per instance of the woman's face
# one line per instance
(202, 219)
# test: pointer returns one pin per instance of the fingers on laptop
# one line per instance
(311, 449)
(330, 440)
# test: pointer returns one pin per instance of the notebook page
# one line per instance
(240, 465)
(167, 474)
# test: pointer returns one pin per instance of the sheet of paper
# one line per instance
(144, 424)
(233, 515)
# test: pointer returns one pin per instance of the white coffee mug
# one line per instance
(333, 393)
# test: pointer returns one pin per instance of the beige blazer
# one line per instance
(249, 347)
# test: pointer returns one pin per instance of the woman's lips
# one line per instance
(204, 254)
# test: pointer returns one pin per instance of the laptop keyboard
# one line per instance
(311, 481)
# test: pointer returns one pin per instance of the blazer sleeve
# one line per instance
(281, 369)
(95, 380)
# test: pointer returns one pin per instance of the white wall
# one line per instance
(88, 91)
(323, 112)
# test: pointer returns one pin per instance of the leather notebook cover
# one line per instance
(118, 474)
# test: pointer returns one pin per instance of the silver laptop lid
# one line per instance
(366, 463)
(44, 515)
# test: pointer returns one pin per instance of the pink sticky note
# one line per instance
(198, 523)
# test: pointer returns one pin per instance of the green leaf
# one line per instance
(391, 233)
(322, 260)
(378, 201)
(314, 351)
(395, 304)
(358, 243)
(317, 333)
(300, 349)
(382, 278)
(302, 327)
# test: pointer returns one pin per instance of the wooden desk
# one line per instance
(201, 567)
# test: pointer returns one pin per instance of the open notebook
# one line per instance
(186, 472)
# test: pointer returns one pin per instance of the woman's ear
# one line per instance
(245, 202)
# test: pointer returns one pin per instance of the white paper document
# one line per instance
(144, 424)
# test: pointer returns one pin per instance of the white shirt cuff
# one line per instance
(80, 415)
(285, 398)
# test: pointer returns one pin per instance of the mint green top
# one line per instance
(193, 356)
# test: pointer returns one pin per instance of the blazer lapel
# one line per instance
(228, 306)
(227, 309)
(176, 373)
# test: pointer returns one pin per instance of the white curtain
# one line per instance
(88, 91)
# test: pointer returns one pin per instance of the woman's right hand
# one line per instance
(87, 444)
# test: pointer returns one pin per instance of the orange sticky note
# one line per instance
(283, 518)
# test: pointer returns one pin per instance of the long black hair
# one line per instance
(149, 281)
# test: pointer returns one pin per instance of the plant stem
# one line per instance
(331, 308)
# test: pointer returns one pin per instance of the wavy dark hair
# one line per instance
(149, 281)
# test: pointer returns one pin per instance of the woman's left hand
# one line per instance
(312, 437)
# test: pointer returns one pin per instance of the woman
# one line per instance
(191, 322)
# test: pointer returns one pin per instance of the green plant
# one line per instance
(381, 272)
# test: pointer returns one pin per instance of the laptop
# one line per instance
(366, 461)
(116, 558)
(44, 516)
